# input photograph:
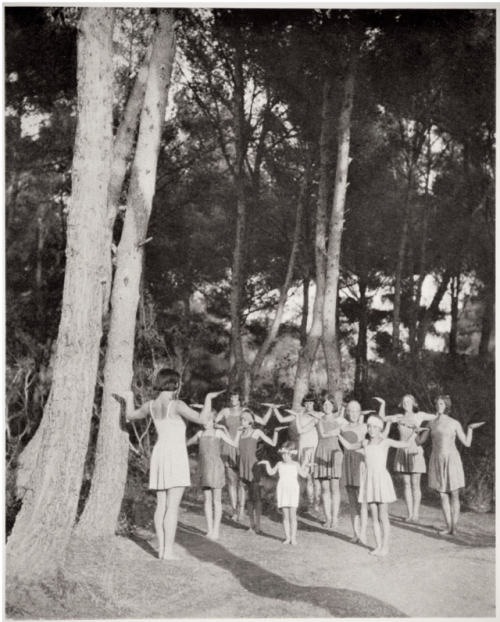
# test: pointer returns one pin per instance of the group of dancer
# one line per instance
(227, 453)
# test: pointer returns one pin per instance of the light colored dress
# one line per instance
(229, 454)
(446, 472)
(288, 490)
(328, 458)
(353, 458)
(169, 460)
(409, 459)
(375, 481)
(210, 472)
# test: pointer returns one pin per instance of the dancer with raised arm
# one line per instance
(446, 473)
(169, 470)
(409, 461)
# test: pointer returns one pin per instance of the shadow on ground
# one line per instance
(266, 584)
(478, 539)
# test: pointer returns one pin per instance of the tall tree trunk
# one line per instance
(123, 145)
(305, 310)
(362, 345)
(308, 352)
(455, 291)
(336, 227)
(108, 483)
(240, 374)
(278, 316)
(44, 524)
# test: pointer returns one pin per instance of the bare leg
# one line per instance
(257, 502)
(383, 511)
(317, 494)
(250, 506)
(408, 495)
(232, 485)
(293, 526)
(286, 524)
(354, 510)
(174, 497)
(327, 501)
(335, 488)
(445, 506)
(242, 493)
(364, 523)
(207, 494)
(216, 492)
(161, 508)
(417, 494)
(455, 510)
(376, 529)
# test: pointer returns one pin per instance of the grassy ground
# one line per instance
(253, 576)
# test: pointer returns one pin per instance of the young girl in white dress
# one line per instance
(210, 471)
(376, 488)
(288, 490)
(169, 470)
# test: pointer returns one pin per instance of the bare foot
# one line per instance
(362, 539)
(258, 530)
(239, 518)
(215, 535)
(294, 543)
(251, 531)
(382, 553)
(408, 519)
(234, 516)
(169, 558)
(375, 552)
(445, 532)
(334, 526)
(286, 542)
(354, 539)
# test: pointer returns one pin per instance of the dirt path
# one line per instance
(252, 576)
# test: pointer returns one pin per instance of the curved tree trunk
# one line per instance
(336, 227)
(44, 524)
(108, 483)
(360, 375)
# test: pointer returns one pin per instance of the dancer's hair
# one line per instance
(247, 411)
(414, 401)
(446, 399)
(309, 397)
(289, 447)
(375, 420)
(167, 380)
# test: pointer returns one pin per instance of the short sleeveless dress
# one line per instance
(353, 457)
(229, 454)
(248, 467)
(210, 472)
(328, 458)
(375, 481)
(409, 459)
(169, 460)
(288, 490)
(308, 443)
(446, 472)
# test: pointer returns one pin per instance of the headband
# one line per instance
(375, 421)
(292, 452)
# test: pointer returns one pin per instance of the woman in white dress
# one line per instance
(169, 471)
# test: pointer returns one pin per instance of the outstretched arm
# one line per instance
(270, 470)
(280, 417)
(303, 428)
(263, 420)
(194, 439)
(422, 436)
(184, 411)
(268, 440)
(131, 412)
(466, 439)
(225, 437)
(303, 470)
(402, 444)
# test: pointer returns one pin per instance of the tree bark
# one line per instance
(123, 145)
(336, 227)
(362, 345)
(43, 526)
(455, 291)
(240, 374)
(488, 324)
(108, 483)
(432, 312)
(308, 352)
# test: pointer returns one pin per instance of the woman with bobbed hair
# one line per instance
(446, 473)
(169, 470)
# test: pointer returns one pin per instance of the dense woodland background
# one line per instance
(248, 156)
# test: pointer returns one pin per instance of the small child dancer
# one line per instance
(376, 487)
(288, 490)
(247, 437)
(210, 472)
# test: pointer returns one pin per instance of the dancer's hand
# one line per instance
(283, 427)
(473, 426)
(214, 394)
(292, 412)
(379, 399)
